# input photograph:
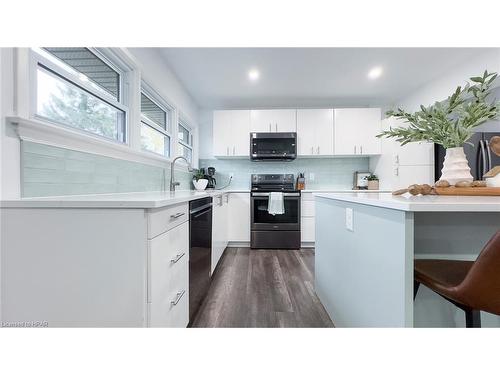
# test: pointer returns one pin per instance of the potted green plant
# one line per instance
(373, 182)
(450, 123)
(199, 180)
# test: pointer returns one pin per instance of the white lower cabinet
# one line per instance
(168, 292)
(239, 217)
(219, 228)
(307, 221)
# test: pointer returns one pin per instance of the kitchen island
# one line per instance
(366, 244)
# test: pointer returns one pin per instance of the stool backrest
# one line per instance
(481, 286)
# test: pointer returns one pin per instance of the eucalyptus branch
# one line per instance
(449, 123)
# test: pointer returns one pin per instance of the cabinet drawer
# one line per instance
(163, 219)
(168, 291)
(307, 209)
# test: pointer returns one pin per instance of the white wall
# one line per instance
(440, 88)
(9, 141)
(206, 134)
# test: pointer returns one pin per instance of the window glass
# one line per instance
(186, 152)
(61, 101)
(152, 111)
(184, 135)
(90, 67)
(154, 141)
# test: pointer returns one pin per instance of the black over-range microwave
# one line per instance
(273, 146)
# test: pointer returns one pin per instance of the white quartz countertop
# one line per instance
(343, 191)
(153, 199)
(427, 203)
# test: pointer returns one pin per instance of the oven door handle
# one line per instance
(269, 194)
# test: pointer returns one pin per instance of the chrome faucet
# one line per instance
(173, 183)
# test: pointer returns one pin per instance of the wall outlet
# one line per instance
(311, 176)
(349, 219)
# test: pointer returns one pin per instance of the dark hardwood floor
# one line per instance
(263, 288)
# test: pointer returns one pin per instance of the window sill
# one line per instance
(53, 135)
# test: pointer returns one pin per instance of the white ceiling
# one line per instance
(217, 77)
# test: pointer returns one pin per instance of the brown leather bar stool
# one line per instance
(471, 286)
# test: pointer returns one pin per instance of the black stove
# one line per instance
(274, 231)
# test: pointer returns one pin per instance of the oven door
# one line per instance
(262, 220)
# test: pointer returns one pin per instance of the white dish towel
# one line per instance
(276, 206)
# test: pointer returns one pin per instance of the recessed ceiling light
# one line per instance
(253, 75)
(375, 72)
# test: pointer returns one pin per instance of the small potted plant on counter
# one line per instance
(199, 180)
(373, 182)
(450, 123)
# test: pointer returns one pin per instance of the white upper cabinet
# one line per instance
(356, 130)
(315, 132)
(231, 133)
(414, 153)
(273, 120)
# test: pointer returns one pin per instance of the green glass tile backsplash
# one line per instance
(50, 171)
(334, 173)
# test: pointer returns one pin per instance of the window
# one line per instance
(90, 66)
(155, 124)
(76, 88)
(185, 142)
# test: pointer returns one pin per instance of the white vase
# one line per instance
(201, 184)
(455, 166)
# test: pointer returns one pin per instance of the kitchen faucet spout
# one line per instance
(174, 183)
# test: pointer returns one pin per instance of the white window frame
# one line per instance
(152, 95)
(181, 121)
(121, 103)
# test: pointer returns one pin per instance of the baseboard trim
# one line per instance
(238, 244)
(305, 245)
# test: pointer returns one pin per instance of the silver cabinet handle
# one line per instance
(177, 215)
(227, 151)
(227, 198)
(276, 127)
(177, 257)
(220, 200)
(318, 150)
(312, 150)
(361, 147)
(354, 149)
(234, 150)
(269, 127)
(177, 298)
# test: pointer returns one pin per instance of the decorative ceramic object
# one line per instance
(495, 145)
(455, 166)
(373, 185)
(493, 177)
(201, 184)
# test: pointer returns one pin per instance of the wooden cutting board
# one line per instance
(488, 191)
